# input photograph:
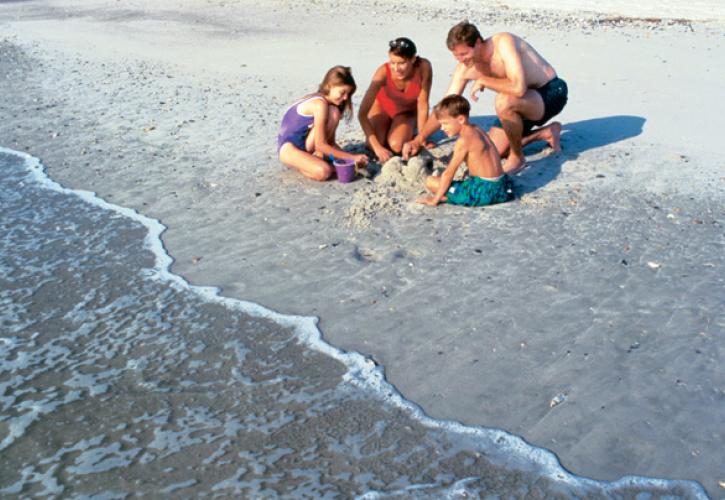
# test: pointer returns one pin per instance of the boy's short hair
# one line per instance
(463, 33)
(453, 105)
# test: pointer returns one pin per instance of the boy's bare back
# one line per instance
(482, 157)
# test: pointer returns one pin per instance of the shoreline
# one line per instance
(188, 173)
(506, 453)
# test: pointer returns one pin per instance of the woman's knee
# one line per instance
(395, 144)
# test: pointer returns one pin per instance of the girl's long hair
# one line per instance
(339, 75)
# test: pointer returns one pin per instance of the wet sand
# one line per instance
(600, 289)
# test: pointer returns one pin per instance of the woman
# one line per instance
(397, 100)
(307, 133)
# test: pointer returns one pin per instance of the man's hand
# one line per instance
(410, 148)
(477, 87)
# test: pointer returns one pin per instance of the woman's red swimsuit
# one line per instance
(393, 101)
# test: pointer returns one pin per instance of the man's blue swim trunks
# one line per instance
(555, 95)
(477, 191)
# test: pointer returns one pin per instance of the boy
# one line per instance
(486, 183)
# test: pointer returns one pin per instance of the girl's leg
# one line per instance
(309, 165)
(401, 131)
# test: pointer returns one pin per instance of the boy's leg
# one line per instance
(401, 131)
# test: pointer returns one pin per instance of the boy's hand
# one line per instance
(477, 87)
(427, 200)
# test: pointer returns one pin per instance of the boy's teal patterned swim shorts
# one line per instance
(477, 192)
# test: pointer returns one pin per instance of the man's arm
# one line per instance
(515, 81)
(424, 96)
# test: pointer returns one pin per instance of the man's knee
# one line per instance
(505, 104)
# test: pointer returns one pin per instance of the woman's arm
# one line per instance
(367, 103)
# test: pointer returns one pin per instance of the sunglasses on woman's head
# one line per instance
(398, 44)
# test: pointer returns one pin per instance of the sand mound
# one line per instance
(395, 187)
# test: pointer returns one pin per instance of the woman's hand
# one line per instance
(383, 154)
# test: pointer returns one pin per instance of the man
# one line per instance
(529, 93)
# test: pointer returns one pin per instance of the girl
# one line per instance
(397, 99)
(307, 133)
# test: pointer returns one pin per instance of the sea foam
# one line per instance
(129, 345)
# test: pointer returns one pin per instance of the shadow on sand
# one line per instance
(576, 137)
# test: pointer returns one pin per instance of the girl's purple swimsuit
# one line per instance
(295, 126)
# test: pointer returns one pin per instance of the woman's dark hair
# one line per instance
(339, 75)
(463, 33)
(403, 47)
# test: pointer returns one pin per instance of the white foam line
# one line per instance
(361, 372)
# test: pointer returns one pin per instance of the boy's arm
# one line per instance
(459, 154)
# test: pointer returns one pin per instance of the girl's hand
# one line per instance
(360, 159)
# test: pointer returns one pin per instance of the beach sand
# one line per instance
(585, 317)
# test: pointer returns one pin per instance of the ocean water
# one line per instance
(118, 378)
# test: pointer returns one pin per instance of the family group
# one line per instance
(394, 114)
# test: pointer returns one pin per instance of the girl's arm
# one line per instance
(426, 79)
(320, 112)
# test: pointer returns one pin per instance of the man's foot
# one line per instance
(552, 136)
(514, 164)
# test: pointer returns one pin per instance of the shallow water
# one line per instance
(118, 378)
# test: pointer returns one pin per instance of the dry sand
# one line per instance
(587, 316)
